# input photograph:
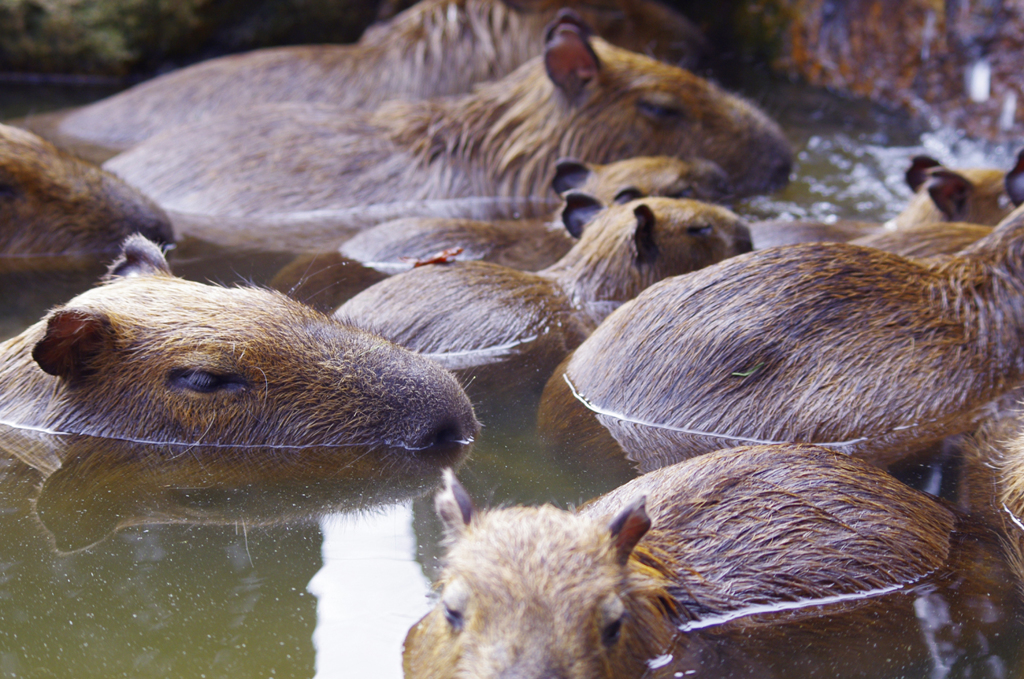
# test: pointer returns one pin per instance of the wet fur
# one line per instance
(304, 378)
(502, 140)
(54, 204)
(820, 343)
(438, 47)
(735, 528)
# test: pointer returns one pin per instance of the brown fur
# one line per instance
(500, 141)
(473, 315)
(121, 361)
(439, 47)
(529, 589)
(54, 204)
(926, 240)
(832, 344)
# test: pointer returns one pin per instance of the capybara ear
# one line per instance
(1015, 180)
(570, 60)
(631, 524)
(917, 173)
(580, 208)
(627, 194)
(646, 248)
(950, 192)
(139, 257)
(453, 506)
(73, 338)
(569, 174)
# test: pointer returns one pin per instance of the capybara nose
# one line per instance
(780, 173)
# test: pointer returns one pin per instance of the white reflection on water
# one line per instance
(369, 593)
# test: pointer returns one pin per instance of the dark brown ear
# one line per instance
(917, 173)
(580, 209)
(569, 174)
(139, 257)
(570, 60)
(646, 248)
(950, 192)
(453, 506)
(1015, 181)
(73, 339)
(631, 524)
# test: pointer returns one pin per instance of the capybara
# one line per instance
(583, 98)
(148, 357)
(438, 47)
(829, 343)
(480, 319)
(976, 196)
(532, 244)
(54, 204)
(786, 560)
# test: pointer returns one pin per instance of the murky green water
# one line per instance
(210, 585)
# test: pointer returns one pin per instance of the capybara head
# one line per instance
(538, 592)
(974, 195)
(626, 180)
(629, 247)
(54, 204)
(150, 357)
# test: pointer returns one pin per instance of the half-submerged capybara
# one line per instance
(532, 244)
(974, 196)
(149, 357)
(786, 560)
(584, 98)
(54, 204)
(438, 47)
(485, 320)
(828, 343)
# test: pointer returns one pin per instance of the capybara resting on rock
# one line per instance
(483, 320)
(763, 561)
(149, 357)
(828, 343)
(438, 47)
(54, 204)
(584, 98)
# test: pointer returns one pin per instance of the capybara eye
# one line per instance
(454, 618)
(659, 111)
(700, 230)
(626, 195)
(205, 382)
(7, 191)
(610, 634)
(685, 192)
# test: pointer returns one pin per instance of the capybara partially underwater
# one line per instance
(477, 318)
(584, 98)
(828, 343)
(148, 357)
(532, 244)
(762, 561)
(54, 204)
(438, 47)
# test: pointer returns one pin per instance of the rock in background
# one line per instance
(121, 37)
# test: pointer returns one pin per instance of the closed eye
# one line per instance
(700, 230)
(7, 191)
(659, 111)
(205, 382)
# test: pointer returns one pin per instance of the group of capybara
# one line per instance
(763, 376)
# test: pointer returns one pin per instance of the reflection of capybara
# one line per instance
(784, 556)
(439, 47)
(824, 343)
(584, 98)
(54, 204)
(150, 357)
(533, 244)
(469, 315)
